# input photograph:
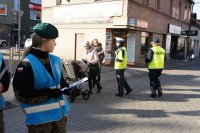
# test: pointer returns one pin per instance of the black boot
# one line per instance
(99, 89)
(160, 92)
(153, 93)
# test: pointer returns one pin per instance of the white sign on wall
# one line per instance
(108, 45)
(174, 29)
(168, 43)
(131, 47)
(101, 12)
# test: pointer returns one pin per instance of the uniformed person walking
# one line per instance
(4, 85)
(37, 84)
(155, 61)
(120, 66)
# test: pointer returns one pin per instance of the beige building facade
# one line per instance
(137, 21)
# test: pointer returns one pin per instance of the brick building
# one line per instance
(137, 21)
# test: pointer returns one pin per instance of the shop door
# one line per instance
(173, 47)
(79, 49)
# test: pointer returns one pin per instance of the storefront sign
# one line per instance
(100, 12)
(131, 22)
(124, 21)
(34, 7)
(190, 33)
(3, 9)
(174, 29)
(142, 24)
(36, 1)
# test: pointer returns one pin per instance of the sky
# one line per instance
(196, 8)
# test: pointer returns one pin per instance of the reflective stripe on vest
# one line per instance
(54, 108)
(158, 58)
(2, 102)
(45, 107)
(118, 54)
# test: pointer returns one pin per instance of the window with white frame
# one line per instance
(36, 1)
(3, 9)
(35, 15)
(16, 4)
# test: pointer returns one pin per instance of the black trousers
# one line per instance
(92, 74)
(98, 76)
(154, 75)
(122, 83)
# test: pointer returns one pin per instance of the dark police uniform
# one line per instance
(120, 66)
(155, 61)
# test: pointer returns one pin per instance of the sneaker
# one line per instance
(119, 95)
(129, 91)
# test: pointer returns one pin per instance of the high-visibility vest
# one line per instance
(53, 109)
(2, 102)
(118, 54)
(158, 58)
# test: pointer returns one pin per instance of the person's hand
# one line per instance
(67, 92)
(85, 61)
(55, 93)
(89, 64)
(1, 87)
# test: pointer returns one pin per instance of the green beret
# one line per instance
(46, 30)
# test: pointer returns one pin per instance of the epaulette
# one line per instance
(26, 63)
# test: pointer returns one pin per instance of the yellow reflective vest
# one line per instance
(119, 55)
(158, 58)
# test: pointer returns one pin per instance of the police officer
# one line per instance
(120, 66)
(155, 62)
(91, 58)
(37, 84)
(4, 85)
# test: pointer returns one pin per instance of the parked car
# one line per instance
(3, 43)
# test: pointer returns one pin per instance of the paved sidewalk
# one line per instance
(177, 111)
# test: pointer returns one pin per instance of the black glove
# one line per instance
(118, 60)
(85, 61)
(67, 92)
(89, 64)
(54, 93)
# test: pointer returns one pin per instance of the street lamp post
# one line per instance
(19, 27)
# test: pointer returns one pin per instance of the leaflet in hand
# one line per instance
(75, 83)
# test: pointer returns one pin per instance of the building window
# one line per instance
(180, 9)
(158, 4)
(36, 1)
(146, 2)
(144, 43)
(35, 15)
(3, 9)
(16, 5)
(171, 7)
